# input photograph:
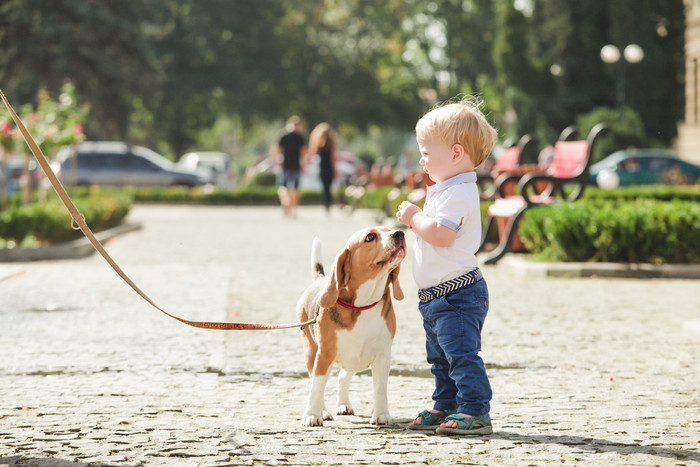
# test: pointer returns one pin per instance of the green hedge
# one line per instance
(657, 192)
(50, 222)
(378, 198)
(654, 224)
(252, 195)
(642, 231)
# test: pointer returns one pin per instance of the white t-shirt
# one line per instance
(454, 203)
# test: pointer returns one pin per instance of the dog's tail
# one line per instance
(316, 259)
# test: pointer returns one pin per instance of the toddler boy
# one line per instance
(453, 139)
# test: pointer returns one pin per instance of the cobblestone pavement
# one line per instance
(584, 371)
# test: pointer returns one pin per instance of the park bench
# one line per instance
(509, 164)
(569, 168)
(506, 179)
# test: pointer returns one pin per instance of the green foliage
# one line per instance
(563, 39)
(655, 192)
(16, 224)
(643, 231)
(248, 195)
(558, 234)
(378, 198)
(50, 222)
(626, 130)
(511, 50)
(264, 179)
(59, 121)
(101, 47)
(163, 72)
(654, 86)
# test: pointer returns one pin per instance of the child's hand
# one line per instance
(406, 212)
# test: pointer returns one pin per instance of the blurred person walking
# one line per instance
(322, 142)
(292, 146)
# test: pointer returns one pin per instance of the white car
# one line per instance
(218, 164)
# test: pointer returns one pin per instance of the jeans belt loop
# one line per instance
(470, 278)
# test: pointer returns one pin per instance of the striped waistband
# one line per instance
(472, 277)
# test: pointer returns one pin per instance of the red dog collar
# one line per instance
(353, 307)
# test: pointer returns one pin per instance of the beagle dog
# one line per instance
(355, 320)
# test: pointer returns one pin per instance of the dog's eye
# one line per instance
(370, 237)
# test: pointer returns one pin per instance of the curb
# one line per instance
(74, 249)
(520, 264)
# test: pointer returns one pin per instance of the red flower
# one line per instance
(5, 127)
(77, 129)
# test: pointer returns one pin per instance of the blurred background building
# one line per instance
(689, 130)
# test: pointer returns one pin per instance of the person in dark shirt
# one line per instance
(292, 146)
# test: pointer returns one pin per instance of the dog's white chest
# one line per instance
(360, 346)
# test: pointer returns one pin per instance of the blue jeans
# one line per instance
(453, 326)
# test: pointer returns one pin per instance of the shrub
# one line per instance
(16, 224)
(644, 231)
(50, 222)
(264, 179)
(254, 195)
(657, 192)
(378, 198)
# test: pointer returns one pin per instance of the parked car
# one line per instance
(119, 164)
(219, 165)
(15, 164)
(643, 166)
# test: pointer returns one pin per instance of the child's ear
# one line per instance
(458, 153)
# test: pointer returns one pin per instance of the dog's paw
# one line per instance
(381, 419)
(311, 420)
(327, 415)
(345, 409)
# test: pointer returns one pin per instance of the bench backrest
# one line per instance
(570, 158)
(509, 158)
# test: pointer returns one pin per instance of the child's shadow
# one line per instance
(579, 442)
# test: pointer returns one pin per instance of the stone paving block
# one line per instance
(585, 371)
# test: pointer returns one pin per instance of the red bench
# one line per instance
(570, 166)
(508, 164)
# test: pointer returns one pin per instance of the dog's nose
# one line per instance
(397, 234)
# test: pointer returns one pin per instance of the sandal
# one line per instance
(430, 420)
(467, 425)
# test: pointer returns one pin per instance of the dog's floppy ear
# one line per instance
(336, 280)
(394, 278)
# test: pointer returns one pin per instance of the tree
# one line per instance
(160, 71)
(566, 36)
(214, 58)
(98, 45)
(653, 87)
(522, 79)
(470, 29)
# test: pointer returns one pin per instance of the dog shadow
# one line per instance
(41, 462)
(594, 445)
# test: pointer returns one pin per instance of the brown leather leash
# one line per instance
(79, 219)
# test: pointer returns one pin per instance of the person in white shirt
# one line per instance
(454, 139)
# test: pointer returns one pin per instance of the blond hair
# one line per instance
(322, 137)
(460, 123)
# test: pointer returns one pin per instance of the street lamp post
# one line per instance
(631, 54)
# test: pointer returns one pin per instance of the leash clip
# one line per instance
(73, 221)
(311, 321)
